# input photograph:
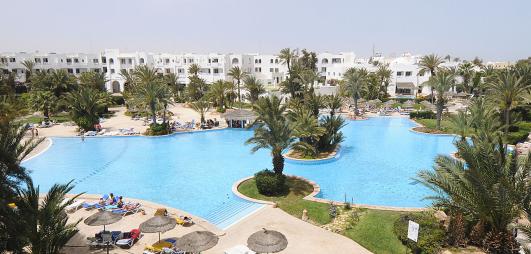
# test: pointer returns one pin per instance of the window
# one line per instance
(112, 70)
(271, 60)
(408, 73)
(421, 74)
(70, 70)
(167, 61)
(276, 70)
(215, 60)
(141, 60)
(399, 73)
(12, 60)
(76, 60)
(168, 70)
(180, 70)
(97, 70)
(77, 71)
(68, 60)
(45, 60)
(324, 61)
(270, 69)
(95, 60)
(323, 69)
(37, 60)
(215, 70)
(258, 69)
(111, 61)
(123, 70)
(122, 61)
(104, 69)
(276, 60)
(103, 59)
(130, 61)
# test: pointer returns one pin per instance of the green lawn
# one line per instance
(374, 230)
(60, 118)
(446, 125)
(292, 202)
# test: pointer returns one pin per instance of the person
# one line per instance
(82, 136)
(111, 199)
(101, 202)
(32, 132)
(120, 202)
(36, 132)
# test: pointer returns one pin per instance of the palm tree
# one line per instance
(286, 56)
(477, 62)
(149, 90)
(194, 69)
(355, 81)
(507, 91)
(218, 91)
(201, 107)
(306, 127)
(85, 105)
(430, 63)
(332, 136)
(129, 78)
(441, 84)
(487, 184)
(29, 65)
(45, 222)
(237, 74)
(61, 82)
(384, 75)
(44, 101)
(461, 123)
(94, 80)
(466, 71)
(254, 88)
(333, 103)
(271, 131)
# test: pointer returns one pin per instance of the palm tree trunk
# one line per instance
(440, 106)
(164, 114)
(507, 121)
(355, 106)
(239, 94)
(278, 163)
(153, 113)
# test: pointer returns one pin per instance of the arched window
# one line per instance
(235, 61)
(111, 61)
(324, 61)
(141, 60)
(116, 87)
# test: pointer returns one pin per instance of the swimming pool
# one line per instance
(195, 171)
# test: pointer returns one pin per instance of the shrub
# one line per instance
(156, 129)
(268, 183)
(431, 234)
(332, 210)
(426, 114)
(516, 137)
(118, 100)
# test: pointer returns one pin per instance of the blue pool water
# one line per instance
(195, 171)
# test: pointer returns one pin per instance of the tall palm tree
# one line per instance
(271, 131)
(466, 71)
(237, 74)
(306, 127)
(507, 91)
(461, 123)
(30, 66)
(254, 88)
(85, 105)
(487, 184)
(201, 107)
(384, 75)
(430, 63)
(286, 56)
(94, 80)
(477, 62)
(218, 91)
(129, 78)
(61, 82)
(441, 84)
(44, 101)
(149, 90)
(45, 221)
(355, 81)
(194, 69)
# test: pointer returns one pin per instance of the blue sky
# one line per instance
(493, 30)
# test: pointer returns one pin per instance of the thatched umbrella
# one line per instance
(102, 218)
(158, 224)
(239, 115)
(197, 241)
(267, 241)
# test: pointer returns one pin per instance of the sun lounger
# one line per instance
(130, 208)
(103, 239)
(128, 239)
(102, 132)
(74, 206)
(239, 249)
(184, 220)
(158, 246)
(90, 133)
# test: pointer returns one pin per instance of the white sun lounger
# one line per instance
(239, 249)
(74, 206)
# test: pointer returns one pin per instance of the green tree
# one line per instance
(149, 91)
(272, 130)
(286, 56)
(218, 92)
(201, 107)
(306, 127)
(384, 75)
(237, 74)
(507, 91)
(61, 82)
(430, 63)
(355, 81)
(94, 80)
(44, 101)
(30, 66)
(461, 123)
(441, 84)
(254, 88)
(85, 105)
(333, 103)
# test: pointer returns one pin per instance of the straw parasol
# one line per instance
(158, 224)
(102, 218)
(240, 115)
(267, 241)
(197, 241)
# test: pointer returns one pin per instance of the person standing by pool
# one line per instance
(36, 132)
(82, 135)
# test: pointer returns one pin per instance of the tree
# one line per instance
(44, 101)
(384, 75)
(466, 71)
(61, 82)
(487, 183)
(305, 126)
(201, 107)
(129, 78)
(85, 106)
(441, 84)
(218, 91)
(355, 81)
(430, 63)
(94, 80)
(286, 56)
(254, 88)
(149, 91)
(332, 136)
(30, 66)
(237, 74)
(45, 222)
(194, 69)
(333, 103)
(271, 130)
(461, 123)
(507, 91)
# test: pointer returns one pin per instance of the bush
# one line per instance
(156, 129)
(516, 137)
(118, 100)
(268, 183)
(431, 234)
(426, 114)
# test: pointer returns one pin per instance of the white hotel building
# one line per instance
(405, 81)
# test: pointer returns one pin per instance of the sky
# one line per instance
(492, 30)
